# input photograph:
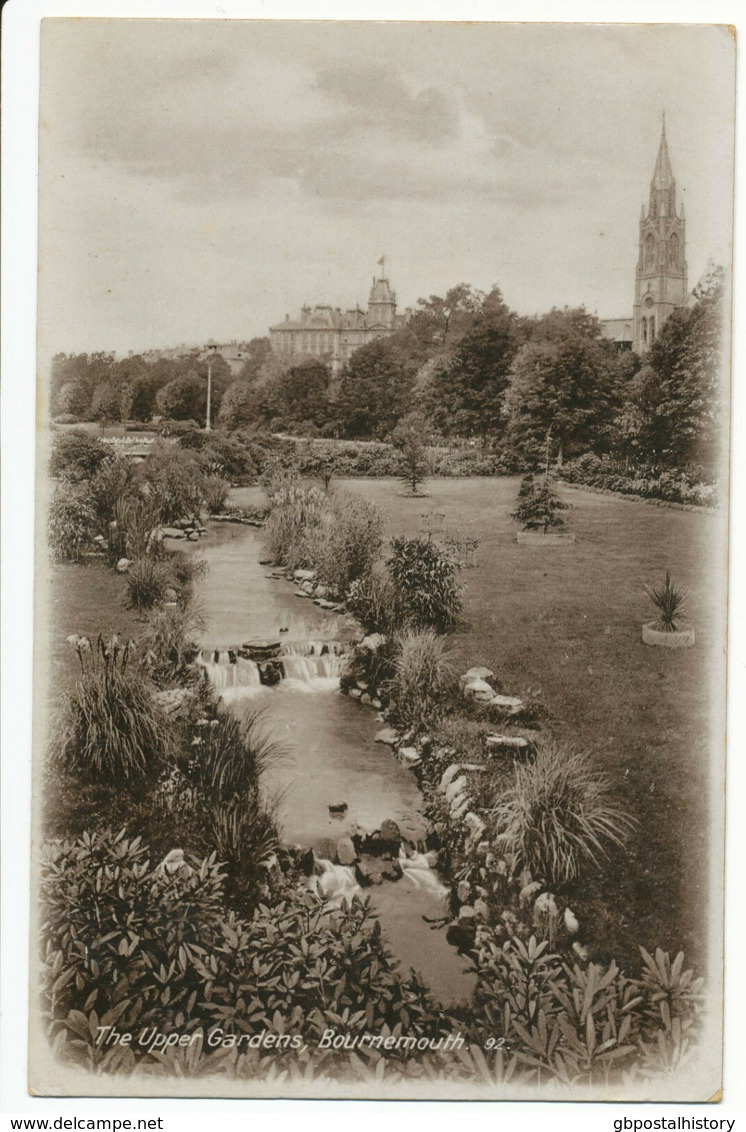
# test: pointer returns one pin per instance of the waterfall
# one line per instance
(309, 668)
(417, 869)
(336, 882)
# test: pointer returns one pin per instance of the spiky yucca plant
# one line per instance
(558, 815)
(668, 601)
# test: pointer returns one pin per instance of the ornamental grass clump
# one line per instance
(422, 673)
(668, 601)
(558, 816)
(112, 730)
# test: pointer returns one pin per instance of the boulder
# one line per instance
(260, 650)
(449, 774)
(571, 922)
(373, 870)
(391, 836)
(475, 825)
(508, 704)
(355, 693)
(459, 807)
(337, 809)
(463, 892)
(507, 742)
(193, 536)
(456, 787)
(387, 735)
(466, 912)
(479, 690)
(376, 703)
(173, 699)
(123, 565)
(362, 685)
(172, 532)
(365, 698)
(346, 852)
(373, 642)
(479, 672)
(304, 575)
(409, 756)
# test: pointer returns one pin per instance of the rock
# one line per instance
(482, 909)
(479, 690)
(365, 698)
(475, 825)
(193, 536)
(462, 935)
(546, 905)
(373, 870)
(362, 685)
(459, 807)
(346, 852)
(323, 603)
(266, 562)
(301, 593)
(172, 532)
(322, 591)
(338, 809)
(172, 700)
(507, 742)
(580, 951)
(479, 672)
(463, 892)
(509, 704)
(376, 703)
(123, 565)
(304, 575)
(432, 858)
(456, 787)
(173, 862)
(388, 736)
(466, 912)
(528, 892)
(355, 693)
(260, 650)
(409, 756)
(449, 774)
(571, 922)
(373, 642)
(391, 836)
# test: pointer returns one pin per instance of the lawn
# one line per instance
(565, 623)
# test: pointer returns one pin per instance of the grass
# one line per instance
(565, 622)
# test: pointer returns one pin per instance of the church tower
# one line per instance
(660, 283)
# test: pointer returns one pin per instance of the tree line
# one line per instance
(468, 365)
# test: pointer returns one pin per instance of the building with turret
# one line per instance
(333, 334)
(661, 274)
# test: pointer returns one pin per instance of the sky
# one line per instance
(201, 179)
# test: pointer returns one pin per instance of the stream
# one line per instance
(330, 755)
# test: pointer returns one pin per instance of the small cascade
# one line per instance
(417, 869)
(335, 882)
(314, 648)
(310, 665)
(310, 668)
(224, 674)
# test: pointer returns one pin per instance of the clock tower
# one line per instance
(660, 281)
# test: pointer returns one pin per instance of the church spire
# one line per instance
(663, 176)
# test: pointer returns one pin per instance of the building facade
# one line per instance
(661, 273)
(332, 334)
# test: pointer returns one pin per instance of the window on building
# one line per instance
(644, 332)
(650, 251)
(673, 251)
(652, 330)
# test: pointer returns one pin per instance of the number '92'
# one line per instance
(495, 1043)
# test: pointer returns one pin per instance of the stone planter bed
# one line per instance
(683, 639)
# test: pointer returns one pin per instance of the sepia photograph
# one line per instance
(381, 559)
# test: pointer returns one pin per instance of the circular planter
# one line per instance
(551, 538)
(683, 639)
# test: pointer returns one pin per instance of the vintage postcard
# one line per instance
(381, 573)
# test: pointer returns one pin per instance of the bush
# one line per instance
(371, 599)
(147, 580)
(538, 505)
(558, 816)
(77, 456)
(345, 543)
(170, 645)
(111, 484)
(427, 593)
(135, 519)
(112, 730)
(71, 522)
(691, 485)
(216, 491)
(175, 481)
(422, 673)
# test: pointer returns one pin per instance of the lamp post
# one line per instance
(211, 351)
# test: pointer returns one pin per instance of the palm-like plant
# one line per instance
(668, 601)
(558, 815)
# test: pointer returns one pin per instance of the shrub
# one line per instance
(112, 731)
(295, 511)
(345, 543)
(169, 644)
(147, 580)
(372, 600)
(422, 672)
(558, 815)
(668, 601)
(427, 593)
(216, 491)
(71, 522)
(175, 481)
(111, 484)
(538, 505)
(135, 518)
(76, 455)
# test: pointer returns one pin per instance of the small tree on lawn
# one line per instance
(409, 438)
(539, 505)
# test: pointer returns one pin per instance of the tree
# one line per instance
(409, 438)
(374, 393)
(561, 381)
(466, 393)
(255, 355)
(684, 394)
(183, 399)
